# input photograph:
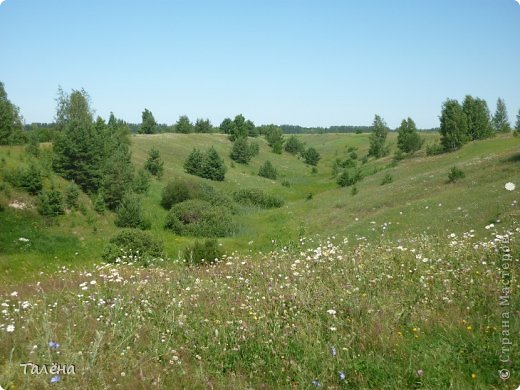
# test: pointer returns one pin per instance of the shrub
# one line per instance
(99, 204)
(387, 179)
(309, 196)
(286, 183)
(203, 252)
(154, 164)
(294, 145)
(455, 174)
(130, 215)
(72, 196)
(241, 151)
(141, 182)
(364, 160)
(30, 179)
(208, 165)
(434, 149)
(353, 155)
(199, 218)
(257, 197)
(354, 191)
(311, 156)
(50, 204)
(133, 242)
(175, 192)
(268, 171)
(349, 178)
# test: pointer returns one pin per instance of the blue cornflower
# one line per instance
(55, 379)
(316, 383)
(53, 345)
(342, 376)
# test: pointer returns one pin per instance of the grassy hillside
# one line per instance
(418, 196)
(398, 286)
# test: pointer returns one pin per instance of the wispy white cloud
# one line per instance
(518, 1)
(1, 1)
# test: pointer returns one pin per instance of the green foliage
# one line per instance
(274, 137)
(257, 197)
(141, 182)
(154, 163)
(268, 171)
(203, 252)
(364, 160)
(387, 179)
(30, 179)
(294, 146)
(454, 126)
(398, 155)
(213, 167)
(33, 145)
(208, 165)
(286, 183)
(311, 156)
(129, 213)
(353, 155)
(500, 119)
(239, 128)
(378, 138)
(73, 107)
(455, 174)
(50, 203)
(72, 196)
(309, 196)
(183, 125)
(478, 117)
(199, 218)
(517, 124)
(176, 191)
(254, 149)
(314, 170)
(226, 126)
(408, 139)
(118, 176)
(10, 121)
(434, 149)
(354, 191)
(99, 203)
(241, 151)
(349, 178)
(203, 126)
(148, 123)
(133, 243)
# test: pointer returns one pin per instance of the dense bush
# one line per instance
(434, 149)
(294, 145)
(208, 165)
(199, 218)
(50, 203)
(455, 174)
(203, 252)
(133, 242)
(349, 178)
(72, 196)
(241, 151)
(256, 197)
(311, 156)
(30, 179)
(180, 190)
(154, 164)
(141, 182)
(268, 171)
(129, 213)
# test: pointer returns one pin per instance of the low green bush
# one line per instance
(200, 218)
(455, 174)
(129, 213)
(387, 179)
(203, 252)
(256, 197)
(134, 244)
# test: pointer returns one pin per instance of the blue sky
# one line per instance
(313, 63)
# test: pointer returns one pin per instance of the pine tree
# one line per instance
(454, 126)
(203, 126)
(154, 163)
(193, 164)
(378, 138)
(408, 139)
(517, 124)
(268, 171)
(213, 167)
(226, 126)
(241, 151)
(183, 125)
(72, 196)
(239, 128)
(500, 119)
(311, 156)
(118, 176)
